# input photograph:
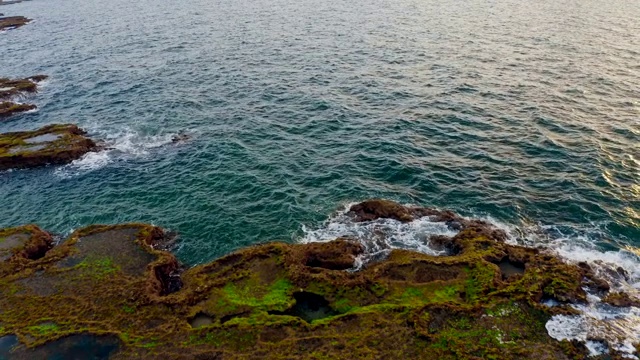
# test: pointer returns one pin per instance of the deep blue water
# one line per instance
(524, 112)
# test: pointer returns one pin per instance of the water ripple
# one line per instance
(525, 112)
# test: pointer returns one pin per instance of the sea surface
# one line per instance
(524, 113)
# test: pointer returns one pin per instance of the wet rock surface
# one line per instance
(22, 244)
(8, 108)
(53, 144)
(281, 300)
(13, 22)
(74, 347)
(12, 88)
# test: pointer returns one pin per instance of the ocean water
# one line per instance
(525, 113)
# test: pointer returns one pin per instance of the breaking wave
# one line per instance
(119, 146)
(599, 325)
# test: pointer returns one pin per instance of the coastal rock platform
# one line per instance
(114, 291)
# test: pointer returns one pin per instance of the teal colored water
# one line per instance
(527, 113)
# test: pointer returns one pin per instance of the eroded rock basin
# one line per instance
(110, 288)
(74, 347)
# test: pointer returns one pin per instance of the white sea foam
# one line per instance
(43, 83)
(617, 327)
(599, 325)
(379, 236)
(125, 145)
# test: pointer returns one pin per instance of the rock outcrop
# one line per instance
(52, 144)
(13, 22)
(111, 287)
(11, 88)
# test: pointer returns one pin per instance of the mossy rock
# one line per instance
(13, 22)
(12, 87)
(8, 108)
(52, 144)
(20, 245)
(114, 286)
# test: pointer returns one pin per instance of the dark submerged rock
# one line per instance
(308, 307)
(180, 137)
(82, 346)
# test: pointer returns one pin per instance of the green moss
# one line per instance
(98, 268)
(343, 305)
(277, 296)
(479, 281)
(410, 305)
(45, 328)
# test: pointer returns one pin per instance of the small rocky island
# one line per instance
(13, 22)
(53, 144)
(12, 88)
(115, 292)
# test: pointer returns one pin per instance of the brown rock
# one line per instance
(13, 87)
(8, 108)
(22, 244)
(621, 299)
(52, 144)
(378, 208)
(335, 255)
(12, 22)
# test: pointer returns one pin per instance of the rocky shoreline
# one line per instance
(53, 144)
(119, 289)
(50, 145)
(12, 88)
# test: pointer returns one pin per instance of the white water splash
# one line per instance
(123, 145)
(599, 325)
(617, 327)
(379, 236)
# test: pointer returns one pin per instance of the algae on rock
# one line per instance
(281, 300)
(52, 144)
(10, 88)
(13, 22)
